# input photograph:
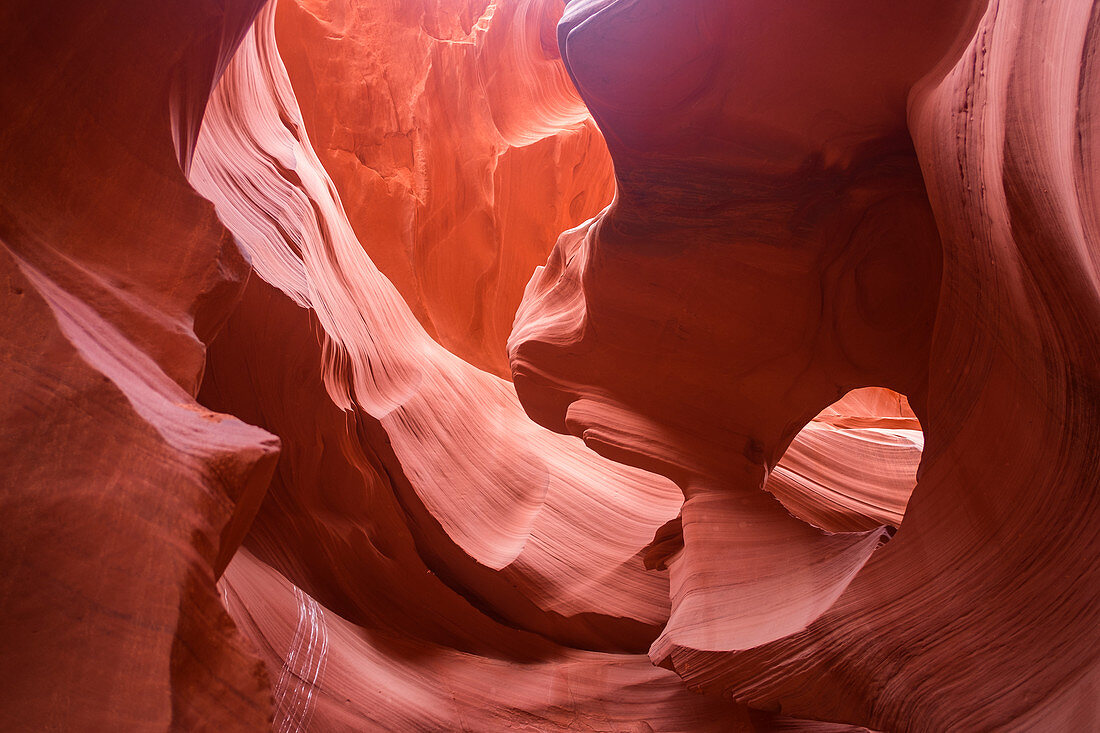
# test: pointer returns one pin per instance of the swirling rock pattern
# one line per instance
(805, 259)
(297, 457)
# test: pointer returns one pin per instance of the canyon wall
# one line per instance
(457, 144)
(915, 209)
(121, 496)
(295, 440)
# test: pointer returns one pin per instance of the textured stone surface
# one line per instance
(818, 250)
(676, 488)
(457, 144)
(121, 496)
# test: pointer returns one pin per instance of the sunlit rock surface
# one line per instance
(296, 456)
(457, 144)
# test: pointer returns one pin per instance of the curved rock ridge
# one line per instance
(852, 467)
(345, 678)
(468, 466)
(379, 681)
(788, 227)
(409, 491)
(457, 143)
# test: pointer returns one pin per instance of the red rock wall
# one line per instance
(805, 259)
(702, 478)
(121, 496)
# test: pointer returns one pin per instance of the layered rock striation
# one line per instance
(905, 201)
(291, 442)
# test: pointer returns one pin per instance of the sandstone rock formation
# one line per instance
(458, 147)
(802, 260)
(121, 496)
(270, 462)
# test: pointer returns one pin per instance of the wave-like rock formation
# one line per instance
(791, 430)
(906, 200)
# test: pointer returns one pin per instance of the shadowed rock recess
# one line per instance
(604, 365)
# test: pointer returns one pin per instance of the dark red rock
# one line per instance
(121, 497)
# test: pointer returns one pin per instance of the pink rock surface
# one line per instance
(705, 500)
(422, 425)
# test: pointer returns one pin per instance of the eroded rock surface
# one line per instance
(121, 496)
(695, 324)
(457, 144)
(683, 496)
